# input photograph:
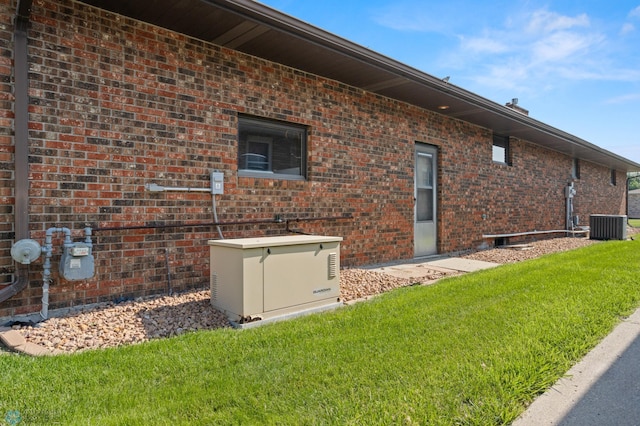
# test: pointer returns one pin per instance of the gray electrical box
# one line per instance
(217, 183)
(76, 262)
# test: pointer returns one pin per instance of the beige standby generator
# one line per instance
(270, 277)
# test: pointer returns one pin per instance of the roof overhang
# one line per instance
(258, 30)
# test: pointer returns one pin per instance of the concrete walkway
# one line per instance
(445, 264)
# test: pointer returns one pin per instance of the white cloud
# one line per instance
(536, 49)
(402, 16)
(525, 50)
(554, 37)
(442, 17)
(561, 46)
(484, 44)
(543, 21)
(623, 99)
(635, 13)
(627, 28)
(506, 76)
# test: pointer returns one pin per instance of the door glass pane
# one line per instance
(425, 170)
(424, 190)
(424, 204)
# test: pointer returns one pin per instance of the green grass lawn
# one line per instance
(470, 350)
(635, 223)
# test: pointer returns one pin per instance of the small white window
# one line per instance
(501, 149)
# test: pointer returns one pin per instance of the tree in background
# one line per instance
(634, 180)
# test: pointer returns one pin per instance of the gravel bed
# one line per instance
(141, 320)
(357, 284)
(130, 322)
(125, 323)
(520, 252)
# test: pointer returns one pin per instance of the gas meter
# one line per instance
(76, 262)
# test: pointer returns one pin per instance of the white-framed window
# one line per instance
(270, 148)
(501, 149)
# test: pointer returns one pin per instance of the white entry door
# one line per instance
(425, 196)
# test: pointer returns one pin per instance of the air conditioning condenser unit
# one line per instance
(269, 277)
(607, 227)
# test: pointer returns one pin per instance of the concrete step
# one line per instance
(14, 341)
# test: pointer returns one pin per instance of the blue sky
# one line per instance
(574, 65)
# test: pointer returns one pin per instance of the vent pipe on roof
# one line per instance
(514, 106)
(21, 142)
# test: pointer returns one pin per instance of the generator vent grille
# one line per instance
(214, 286)
(333, 265)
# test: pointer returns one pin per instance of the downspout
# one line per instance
(21, 142)
(627, 198)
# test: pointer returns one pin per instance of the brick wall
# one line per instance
(481, 197)
(116, 104)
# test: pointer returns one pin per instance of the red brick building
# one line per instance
(104, 103)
